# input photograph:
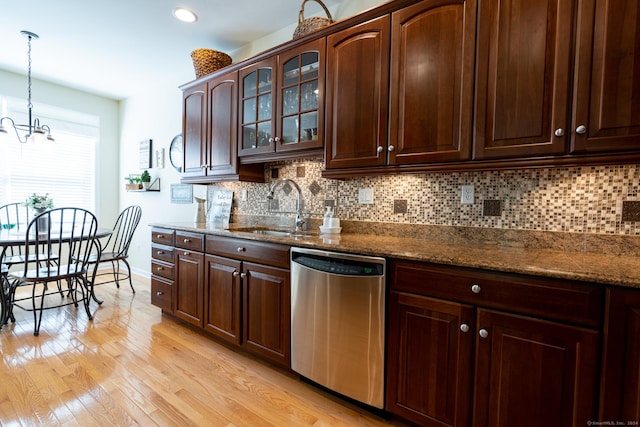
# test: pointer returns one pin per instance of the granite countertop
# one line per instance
(540, 254)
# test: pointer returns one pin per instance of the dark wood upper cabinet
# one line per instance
(281, 108)
(606, 106)
(222, 156)
(194, 129)
(432, 59)
(523, 54)
(357, 95)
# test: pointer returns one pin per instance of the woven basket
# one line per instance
(206, 61)
(309, 25)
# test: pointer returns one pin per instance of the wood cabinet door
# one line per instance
(194, 130)
(222, 153)
(188, 286)
(357, 95)
(606, 107)
(620, 382)
(532, 372)
(222, 297)
(300, 119)
(432, 59)
(267, 312)
(429, 363)
(256, 109)
(523, 58)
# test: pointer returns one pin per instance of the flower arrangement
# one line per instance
(39, 202)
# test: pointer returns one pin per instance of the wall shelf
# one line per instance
(154, 186)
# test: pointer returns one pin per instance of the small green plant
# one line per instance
(133, 179)
(145, 177)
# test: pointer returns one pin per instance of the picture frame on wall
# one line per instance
(145, 154)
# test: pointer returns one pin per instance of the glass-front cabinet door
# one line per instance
(301, 88)
(257, 100)
(281, 105)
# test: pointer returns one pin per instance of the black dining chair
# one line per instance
(116, 249)
(70, 233)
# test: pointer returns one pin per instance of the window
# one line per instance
(66, 168)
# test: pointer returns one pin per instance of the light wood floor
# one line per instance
(133, 366)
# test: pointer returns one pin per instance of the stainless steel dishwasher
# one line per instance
(337, 322)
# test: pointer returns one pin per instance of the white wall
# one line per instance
(107, 182)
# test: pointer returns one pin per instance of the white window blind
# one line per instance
(65, 168)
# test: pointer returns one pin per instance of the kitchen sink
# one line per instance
(273, 232)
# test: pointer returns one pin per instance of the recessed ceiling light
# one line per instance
(184, 15)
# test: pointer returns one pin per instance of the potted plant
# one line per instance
(146, 179)
(39, 203)
(133, 182)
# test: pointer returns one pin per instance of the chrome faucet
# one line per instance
(299, 220)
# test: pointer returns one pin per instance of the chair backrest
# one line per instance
(15, 215)
(123, 230)
(69, 233)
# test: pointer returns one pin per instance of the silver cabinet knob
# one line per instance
(241, 249)
(581, 129)
(483, 333)
(236, 274)
(187, 240)
(243, 275)
(464, 327)
(380, 149)
(391, 148)
(159, 268)
(559, 132)
(159, 293)
(270, 142)
(475, 288)
(277, 139)
(160, 252)
(186, 253)
(159, 236)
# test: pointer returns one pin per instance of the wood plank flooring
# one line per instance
(133, 366)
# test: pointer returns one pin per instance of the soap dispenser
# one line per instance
(328, 215)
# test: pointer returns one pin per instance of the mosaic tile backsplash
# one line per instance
(579, 200)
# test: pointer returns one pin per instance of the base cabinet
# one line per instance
(620, 382)
(235, 289)
(461, 349)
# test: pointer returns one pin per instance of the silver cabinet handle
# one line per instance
(236, 274)
(277, 139)
(243, 275)
(159, 236)
(270, 141)
(187, 240)
(464, 327)
(391, 148)
(475, 288)
(159, 293)
(483, 333)
(559, 132)
(186, 253)
(581, 129)
(380, 149)
(159, 268)
(160, 252)
(241, 249)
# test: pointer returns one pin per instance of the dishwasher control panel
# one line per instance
(339, 266)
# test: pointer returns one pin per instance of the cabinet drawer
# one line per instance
(163, 236)
(161, 293)
(192, 241)
(161, 268)
(566, 300)
(163, 253)
(249, 250)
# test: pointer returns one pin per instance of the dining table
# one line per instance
(11, 237)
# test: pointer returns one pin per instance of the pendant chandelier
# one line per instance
(34, 131)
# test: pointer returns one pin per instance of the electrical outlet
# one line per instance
(245, 194)
(365, 196)
(467, 195)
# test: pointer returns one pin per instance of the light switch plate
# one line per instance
(365, 196)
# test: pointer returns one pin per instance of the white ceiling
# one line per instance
(115, 48)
